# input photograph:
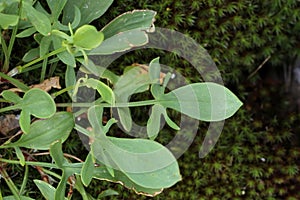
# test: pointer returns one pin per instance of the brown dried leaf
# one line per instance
(47, 85)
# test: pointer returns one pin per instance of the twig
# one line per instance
(259, 67)
(65, 154)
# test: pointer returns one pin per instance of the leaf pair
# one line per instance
(35, 102)
(148, 165)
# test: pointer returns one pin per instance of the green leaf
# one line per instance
(31, 54)
(67, 168)
(44, 132)
(64, 56)
(13, 198)
(153, 124)
(27, 32)
(38, 19)
(148, 163)
(87, 37)
(131, 82)
(106, 193)
(203, 101)
(47, 190)
(24, 121)
(87, 170)
(90, 10)
(99, 71)
(124, 117)
(70, 79)
(138, 19)
(8, 20)
(20, 156)
(59, 159)
(57, 154)
(11, 96)
(154, 121)
(45, 45)
(61, 188)
(154, 70)
(15, 82)
(38, 103)
(56, 7)
(106, 92)
(74, 24)
(121, 42)
(95, 114)
(102, 174)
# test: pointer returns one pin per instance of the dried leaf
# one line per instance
(47, 85)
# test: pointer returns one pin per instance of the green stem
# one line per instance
(4, 101)
(41, 164)
(54, 60)
(5, 50)
(25, 179)
(12, 41)
(10, 184)
(57, 51)
(51, 173)
(1, 198)
(63, 91)
(14, 107)
(107, 105)
(80, 188)
(44, 68)
(15, 82)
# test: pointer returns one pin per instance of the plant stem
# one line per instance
(14, 107)
(10, 183)
(51, 173)
(11, 41)
(41, 164)
(80, 188)
(57, 51)
(63, 91)
(107, 105)
(4, 49)
(25, 179)
(15, 82)
(53, 60)
(44, 68)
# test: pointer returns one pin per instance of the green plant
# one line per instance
(60, 41)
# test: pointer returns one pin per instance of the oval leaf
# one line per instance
(38, 103)
(11, 96)
(44, 132)
(8, 20)
(203, 101)
(87, 37)
(47, 190)
(137, 19)
(90, 10)
(102, 174)
(87, 170)
(148, 163)
(38, 19)
(121, 42)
